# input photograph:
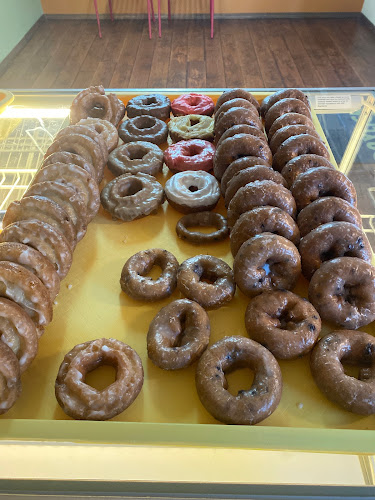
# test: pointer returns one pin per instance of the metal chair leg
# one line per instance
(169, 10)
(149, 18)
(97, 17)
(152, 10)
(212, 12)
(159, 18)
(110, 10)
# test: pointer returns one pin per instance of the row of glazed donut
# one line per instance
(40, 233)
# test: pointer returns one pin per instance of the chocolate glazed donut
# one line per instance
(288, 105)
(282, 94)
(289, 119)
(301, 164)
(296, 146)
(290, 131)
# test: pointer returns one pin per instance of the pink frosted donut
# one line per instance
(194, 154)
(193, 104)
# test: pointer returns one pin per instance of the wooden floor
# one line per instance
(330, 52)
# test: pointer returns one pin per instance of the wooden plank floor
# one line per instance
(310, 52)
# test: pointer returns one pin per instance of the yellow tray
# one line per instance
(6, 98)
(168, 410)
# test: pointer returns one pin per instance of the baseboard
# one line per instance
(367, 22)
(4, 64)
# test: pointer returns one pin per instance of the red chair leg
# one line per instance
(152, 10)
(149, 18)
(159, 18)
(212, 12)
(169, 10)
(110, 9)
(97, 17)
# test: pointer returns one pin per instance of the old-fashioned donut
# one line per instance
(71, 158)
(193, 104)
(284, 323)
(263, 220)
(178, 335)
(157, 105)
(195, 154)
(10, 389)
(87, 131)
(94, 103)
(105, 128)
(301, 164)
(207, 280)
(298, 145)
(135, 282)
(136, 157)
(183, 128)
(202, 219)
(266, 262)
(83, 402)
(343, 292)
(249, 406)
(144, 128)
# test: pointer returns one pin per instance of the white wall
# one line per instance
(16, 18)
(369, 10)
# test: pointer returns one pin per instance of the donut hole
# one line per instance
(193, 151)
(183, 337)
(136, 154)
(154, 273)
(193, 189)
(194, 101)
(146, 123)
(288, 319)
(150, 100)
(97, 111)
(352, 370)
(208, 277)
(194, 121)
(329, 254)
(239, 379)
(101, 377)
(130, 188)
(202, 229)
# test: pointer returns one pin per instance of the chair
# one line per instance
(212, 12)
(97, 15)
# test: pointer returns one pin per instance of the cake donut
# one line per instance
(290, 131)
(266, 262)
(236, 116)
(183, 128)
(94, 103)
(343, 292)
(321, 182)
(236, 147)
(195, 154)
(284, 323)
(242, 128)
(83, 402)
(238, 165)
(157, 105)
(327, 358)
(218, 288)
(178, 335)
(331, 240)
(193, 104)
(132, 196)
(301, 164)
(11, 378)
(135, 282)
(286, 105)
(71, 158)
(324, 210)
(202, 219)
(249, 406)
(144, 128)
(282, 94)
(235, 103)
(190, 192)
(105, 129)
(257, 194)
(136, 157)
(296, 146)
(230, 94)
(263, 220)
(289, 119)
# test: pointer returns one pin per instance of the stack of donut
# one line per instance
(41, 231)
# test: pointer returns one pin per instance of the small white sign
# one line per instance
(333, 101)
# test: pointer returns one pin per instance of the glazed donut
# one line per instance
(243, 128)
(94, 103)
(236, 147)
(190, 192)
(263, 220)
(129, 197)
(236, 116)
(193, 104)
(343, 292)
(266, 262)
(237, 166)
(152, 104)
(18, 332)
(284, 323)
(136, 157)
(34, 261)
(87, 131)
(44, 210)
(249, 406)
(10, 389)
(81, 401)
(287, 105)
(183, 128)
(105, 129)
(328, 241)
(321, 182)
(202, 219)
(324, 210)
(75, 177)
(301, 164)
(144, 128)
(346, 346)
(257, 194)
(251, 174)
(178, 335)
(290, 131)
(218, 288)
(272, 99)
(135, 282)
(44, 238)
(195, 154)
(83, 146)
(289, 119)
(23, 287)
(235, 103)
(230, 94)
(68, 199)
(298, 145)
(71, 158)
